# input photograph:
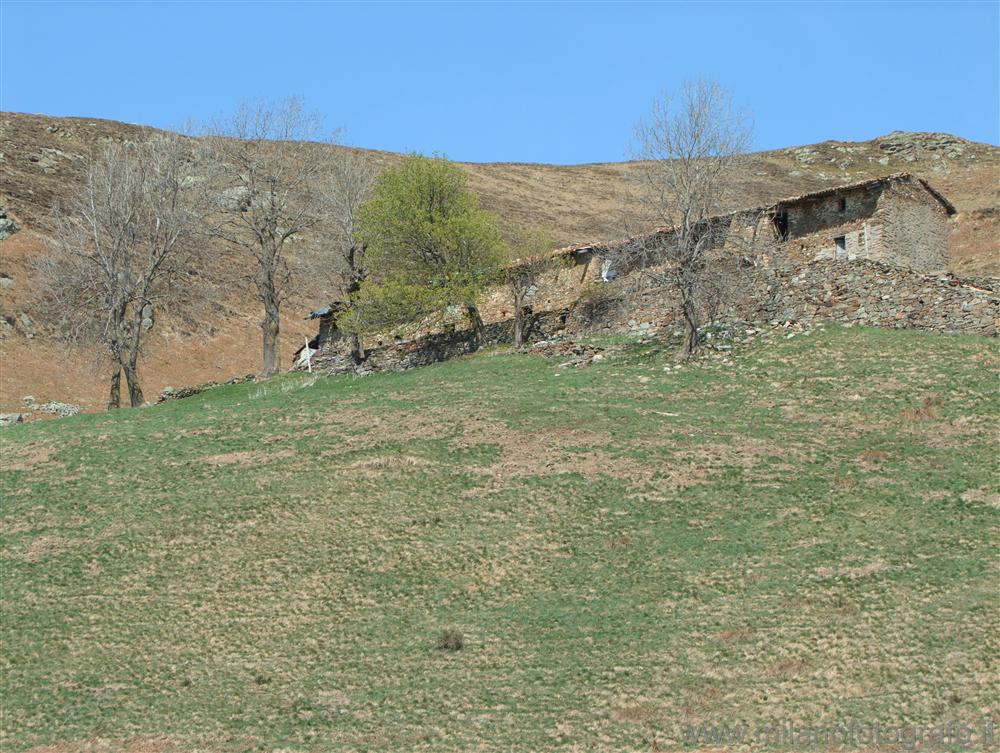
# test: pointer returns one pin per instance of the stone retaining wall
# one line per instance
(862, 292)
(334, 357)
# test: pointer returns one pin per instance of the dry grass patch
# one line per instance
(739, 635)
(854, 572)
(788, 667)
(246, 458)
(982, 496)
(926, 411)
(146, 744)
(25, 457)
(41, 548)
(640, 714)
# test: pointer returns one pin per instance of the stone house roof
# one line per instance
(863, 186)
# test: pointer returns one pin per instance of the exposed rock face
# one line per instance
(912, 147)
(7, 226)
(236, 199)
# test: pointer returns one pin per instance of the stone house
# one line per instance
(898, 220)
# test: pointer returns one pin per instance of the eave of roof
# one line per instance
(870, 183)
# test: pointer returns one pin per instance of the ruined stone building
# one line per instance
(873, 253)
(898, 220)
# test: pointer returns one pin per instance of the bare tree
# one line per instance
(119, 246)
(532, 258)
(348, 183)
(268, 198)
(690, 150)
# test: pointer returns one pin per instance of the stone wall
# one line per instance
(822, 214)
(334, 356)
(895, 232)
(862, 292)
(915, 231)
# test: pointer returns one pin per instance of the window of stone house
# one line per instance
(841, 242)
(843, 204)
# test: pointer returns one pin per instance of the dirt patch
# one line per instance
(872, 460)
(741, 635)
(945, 435)
(551, 450)
(926, 411)
(637, 714)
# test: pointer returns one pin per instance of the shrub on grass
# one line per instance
(450, 640)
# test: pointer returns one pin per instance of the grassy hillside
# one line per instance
(807, 534)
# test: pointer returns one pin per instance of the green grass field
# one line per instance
(807, 534)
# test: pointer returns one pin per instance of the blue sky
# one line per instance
(525, 82)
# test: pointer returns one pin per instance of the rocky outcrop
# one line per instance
(912, 147)
(9, 419)
(7, 225)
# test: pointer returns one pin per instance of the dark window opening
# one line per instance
(841, 242)
(780, 222)
(843, 205)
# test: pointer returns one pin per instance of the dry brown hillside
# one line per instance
(42, 158)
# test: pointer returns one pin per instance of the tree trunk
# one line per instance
(476, 321)
(355, 276)
(115, 395)
(134, 390)
(691, 337)
(523, 316)
(357, 349)
(270, 328)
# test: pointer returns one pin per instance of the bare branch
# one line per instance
(689, 150)
(118, 245)
(268, 197)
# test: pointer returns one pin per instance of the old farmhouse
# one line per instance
(873, 252)
(898, 220)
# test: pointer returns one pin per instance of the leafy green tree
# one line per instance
(429, 246)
